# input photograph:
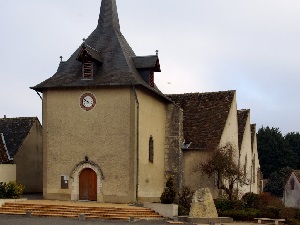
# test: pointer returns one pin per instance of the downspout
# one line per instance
(137, 142)
(251, 175)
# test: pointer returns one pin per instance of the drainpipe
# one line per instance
(251, 172)
(137, 142)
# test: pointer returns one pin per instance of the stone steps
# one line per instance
(74, 211)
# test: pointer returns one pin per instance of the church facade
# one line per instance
(110, 135)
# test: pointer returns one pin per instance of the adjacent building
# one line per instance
(21, 152)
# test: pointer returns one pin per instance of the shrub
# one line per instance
(169, 194)
(223, 205)
(2, 190)
(185, 199)
(242, 214)
(270, 212)
(11, 190)
(268, 200)
(298, 214)
(290, 213)
(293, 222)
(182, 211)
(251, 200)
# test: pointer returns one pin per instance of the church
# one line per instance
(110, 135)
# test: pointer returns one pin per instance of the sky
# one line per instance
(251, 46)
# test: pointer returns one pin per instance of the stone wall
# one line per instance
(174, 140)
(7, 172)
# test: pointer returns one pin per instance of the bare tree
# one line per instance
(224, 166)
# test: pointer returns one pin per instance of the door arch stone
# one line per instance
(75, 173)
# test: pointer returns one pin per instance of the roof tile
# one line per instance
(205, 116)
(15, 130)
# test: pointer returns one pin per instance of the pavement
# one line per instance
(24, 220)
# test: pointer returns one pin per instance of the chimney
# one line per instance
(4, 116)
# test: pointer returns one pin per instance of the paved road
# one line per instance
(23, 220)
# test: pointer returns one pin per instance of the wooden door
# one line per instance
(88, 185)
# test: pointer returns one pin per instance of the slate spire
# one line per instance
(116, 64)
(108, 16)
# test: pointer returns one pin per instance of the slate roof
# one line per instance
(205, 116)
(242, 116)
(117, 65)
(91, 51)
(3, 151)
(253, 133)
(15, 130)
(145, 62)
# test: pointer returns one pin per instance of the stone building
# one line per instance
(110, 135)
(209, 122)
(21, 152)
(291, 195)
(248, 156)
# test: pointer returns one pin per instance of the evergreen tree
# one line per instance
(276, 182)
(272, 151)
(292, 142)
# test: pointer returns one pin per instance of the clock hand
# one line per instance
(86, 101)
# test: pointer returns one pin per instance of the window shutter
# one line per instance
(87, 70)
(151, 79)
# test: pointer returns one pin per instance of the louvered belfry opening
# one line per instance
(87, 69)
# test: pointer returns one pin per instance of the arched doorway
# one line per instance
(88, 185)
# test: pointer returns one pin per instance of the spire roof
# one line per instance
(108, 15)
(117, 67)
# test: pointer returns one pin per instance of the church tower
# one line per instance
(104, 121)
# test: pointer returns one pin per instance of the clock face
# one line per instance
(87, 101)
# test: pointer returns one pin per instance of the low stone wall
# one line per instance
(205, 220)
(2, 201)
(166, 210)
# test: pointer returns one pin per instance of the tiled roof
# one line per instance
(253, 133)
(297, 174)
(15, 130)
(205, 116)
(242, 116)
(142, 62)
(3, 150)
(117, 67)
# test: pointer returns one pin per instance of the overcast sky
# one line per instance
(251, 46)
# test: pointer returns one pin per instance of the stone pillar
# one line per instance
(173, 142)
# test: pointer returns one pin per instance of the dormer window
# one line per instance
(146, 66)
(90, 59)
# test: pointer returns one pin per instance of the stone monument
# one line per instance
(203, 205)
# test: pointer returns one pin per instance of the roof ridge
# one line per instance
(213, 92)
(5, 147)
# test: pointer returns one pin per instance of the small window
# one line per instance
(87, 70)
(151, 149)
(292, 183)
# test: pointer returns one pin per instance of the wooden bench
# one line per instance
(268, 220)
